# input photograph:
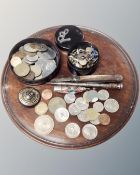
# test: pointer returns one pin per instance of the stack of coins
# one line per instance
(34, 61)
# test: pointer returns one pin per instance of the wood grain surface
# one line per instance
(113, 60)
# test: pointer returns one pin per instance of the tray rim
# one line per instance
(63, 146)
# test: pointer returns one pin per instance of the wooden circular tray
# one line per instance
(113, 60)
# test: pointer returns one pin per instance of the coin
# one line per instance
(81, 103)
(22, 69)
(20, 54)
(32, 59)
(44, 55)
(103, 95)
(30, 76)
(82, 116)
(72, 130)
(89, 49)
(15, 61)
(36, 69)
(44, 125)
(92, 114)
(29, 96)
(39, 77)
(55, 103)
(111, 105)
(61, 114)
(51, 52)
(43, 47)
(73, 109)
(41, 108)
(49, 67)
(90, 96)
(104, 119)
(98, 106)
(69, 98)
(95, 122)
(89, 131)
(31, 47)
(46, 94)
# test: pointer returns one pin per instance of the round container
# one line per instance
(82, 71)
(39, 41)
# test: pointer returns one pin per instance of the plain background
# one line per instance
(117, 18)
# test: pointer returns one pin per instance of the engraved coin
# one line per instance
(36, 69)
(81, 103)
(46, 94)
(73, 109)
(61, 114)
(29, 96)
(89, 131)
(41, 108)
(92, 114)
(82, 116)
(95, 122)
(15, 61)
(90, 96)
(30, 76)
(55, 103)
(104, 119)
(98, 106)
(44, 125)
(72, 130)
(111, 105)
(103, 95)
(22, 69)
(69, 98)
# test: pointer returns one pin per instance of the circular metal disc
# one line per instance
(89, 131)
(98, 106)
(103, 95)
(111, 105)
(72, 130)
(41, 108)
(61, 114)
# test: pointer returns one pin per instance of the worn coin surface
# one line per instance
(103, 95)
(61, 114)
(31, 47)
(22, 69)
(111, 105)
(46, 94)
(98, 106)
(72, 130)
(44, 125)
(41, 108)
(89, 131)
(81, 103)
(90, 96)
(82, 116)
(56, 103)
(92, 114)
(73, 109)
(104, 119)
(36, 69)
(69, 98)
(15, 61)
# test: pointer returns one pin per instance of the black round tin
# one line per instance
(40, 41)
(83, 71)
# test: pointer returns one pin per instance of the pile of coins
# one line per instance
(87, 108)
(34, 61)
(83, 58)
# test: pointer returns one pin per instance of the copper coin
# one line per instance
(104, 119)
(46, 94)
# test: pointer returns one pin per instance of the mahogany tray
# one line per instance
(113, 60)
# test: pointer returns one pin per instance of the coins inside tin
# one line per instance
(55, 103)
(103, 95)
(81, 103)
(104, 119)
(46, 94)
(72, 130)
(89, 131)
(29, 96)
(44, 125)
(41, 108)
(69, 98)
(22, 69)
(111, 105)
(73, 109)
(61, 114)
(98, 106)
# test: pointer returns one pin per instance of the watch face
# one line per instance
(67, 36)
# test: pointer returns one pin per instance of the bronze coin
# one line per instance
(104, 119)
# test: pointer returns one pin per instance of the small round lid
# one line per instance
(67, 36)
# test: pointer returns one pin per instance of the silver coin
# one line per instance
(82, 116)
(44, 125)
(73, 109)
(32, 59)
(103, 95)
(27, 61)
(90, 96)
(72, 130)
(95, 122)
(42, 47)
(98, 106)
(89, 131)
(55, 103)
(81, 103)
(28, 48)
(36, 69)
(69, 98)
(111, 105)
(61, 114)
